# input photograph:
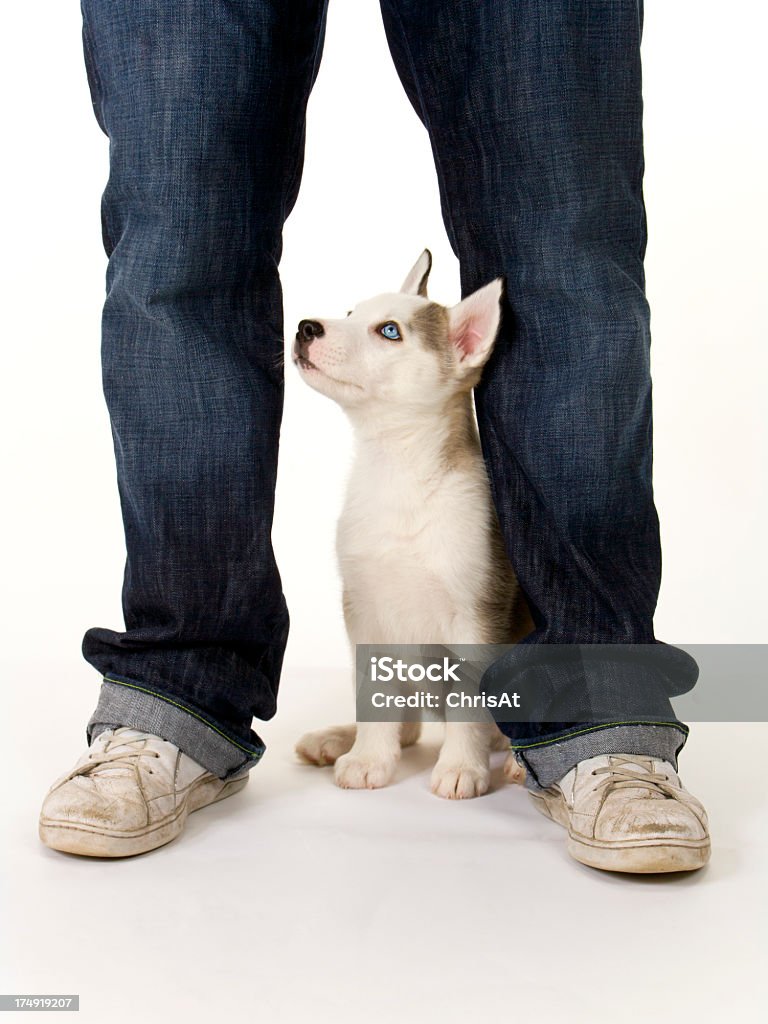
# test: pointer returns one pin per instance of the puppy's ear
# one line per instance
(416, 282)
(474, 323)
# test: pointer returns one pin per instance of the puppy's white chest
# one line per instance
(412, 558)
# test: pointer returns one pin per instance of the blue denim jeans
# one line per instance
(534, 113)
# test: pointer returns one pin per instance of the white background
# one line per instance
(395, 878)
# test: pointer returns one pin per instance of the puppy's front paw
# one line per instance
(513, 772)
(460, 781)
(326, 745)
(355, 772)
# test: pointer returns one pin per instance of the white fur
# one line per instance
(413, 539)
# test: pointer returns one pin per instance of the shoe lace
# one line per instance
(623, 776)
(132, 750)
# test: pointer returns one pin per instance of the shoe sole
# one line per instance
(89, 841)
(633, 856)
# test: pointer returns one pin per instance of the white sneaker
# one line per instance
(627, 812)
(129, 793)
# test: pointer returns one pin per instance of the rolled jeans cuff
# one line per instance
(124, 702)
(547, 761)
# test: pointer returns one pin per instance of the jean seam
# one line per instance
(596, 728)
(96, 87)
(450, 229)
(142, 689)
(300, 137)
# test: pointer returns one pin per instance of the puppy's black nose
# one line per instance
(309, 329)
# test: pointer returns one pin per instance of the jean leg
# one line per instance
(534, 112)
(204, 105)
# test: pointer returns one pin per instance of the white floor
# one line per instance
(295, 901)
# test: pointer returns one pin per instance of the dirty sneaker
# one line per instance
(627, 812)
(129, 793)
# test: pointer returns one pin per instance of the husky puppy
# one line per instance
(418, 542)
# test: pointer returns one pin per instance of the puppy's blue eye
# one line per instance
(390, 332)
